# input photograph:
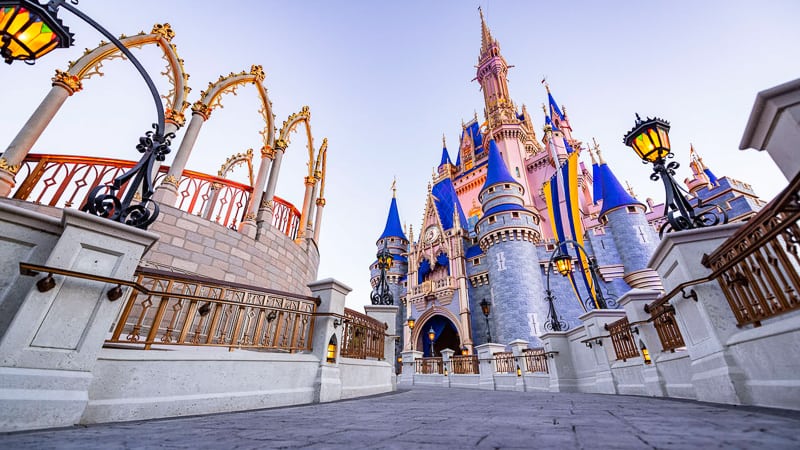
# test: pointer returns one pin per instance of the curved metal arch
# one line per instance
(436, 310)
(91, 62)
(237, 160)
(210, 98)
(290, 124)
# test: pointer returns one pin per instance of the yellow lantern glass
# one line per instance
(331, 356)
(28, 32)
(519, 371)
(410, 324)
(563, 264)
(431, 334)
(646, 356)
(649, 139)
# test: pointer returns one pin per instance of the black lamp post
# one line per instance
(410, 323)
(563, 265)
(29, 30)
(486, 308)
(431, 337)
(650, 140)
(381, 295)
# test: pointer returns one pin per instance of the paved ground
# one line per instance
(449, 418)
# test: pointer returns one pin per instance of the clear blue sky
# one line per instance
(384, 80)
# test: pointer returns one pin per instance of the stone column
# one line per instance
(64, 85)
(486, 362)
(310, 182)
(332, 294)
(407, 376)
(311, 209)
(517, 346)
(708, 323)
(447, 370)
(264, 216)
(634, 302)
(594, 321)
(318, 220)
(248, 225)
(388, 315)
(167, 192)
(563, 376)
(50, 349)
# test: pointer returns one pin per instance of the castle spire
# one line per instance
(486, 35)
(393, 227)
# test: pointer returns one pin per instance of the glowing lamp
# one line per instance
(649, 139)
(519, 371)
(563, 263)
(646, 355)
(29, 30)
(431, 334)
(331, 353)
(486, 307)
(410, 323)
(464, 350)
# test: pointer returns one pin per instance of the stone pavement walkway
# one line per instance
(424, 418)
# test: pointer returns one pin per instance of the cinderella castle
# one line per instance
(494, 219)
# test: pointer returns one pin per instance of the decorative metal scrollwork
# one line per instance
(105, 201)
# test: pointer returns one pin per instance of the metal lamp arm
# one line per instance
(53, 6)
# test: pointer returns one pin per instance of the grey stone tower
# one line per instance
(507, 234)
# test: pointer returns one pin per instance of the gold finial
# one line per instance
(599, 154)
(394, 187)
(164, 31)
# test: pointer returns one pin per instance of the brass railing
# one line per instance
(504, 362)
(179, 309)
(535, 360)
(757, 267)
(465, 364)
(662, 314)
(622, 338)
(428, 366)
(65, 181)
(363, 336)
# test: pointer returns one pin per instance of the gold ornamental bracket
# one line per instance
(229, 84)
(91, 63)
(290, 125)
(234, 161)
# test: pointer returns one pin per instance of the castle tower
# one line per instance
(624, 218)
(701, 175)
(507, 234)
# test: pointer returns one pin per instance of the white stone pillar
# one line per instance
(310, 182)
(708, 323)
(264, 216)
(167, 192)
(311, 209)
(486, 362)
(248, 225)
(409, 367)
(517, 346)
(563, 376)
(318, 220)
(634, 302)
(50, 349)
(18, 149)
(332, 295)
(595, 321)
(447, 369)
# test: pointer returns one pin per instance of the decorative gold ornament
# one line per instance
(164, 31)
(249, 216)
(309, 180)
(169, 179)
(202, 109)
(320, 202)
(67, 81)
(281, 145)
(175, 117)
(4, 165)
(268, 152)
(258, 72)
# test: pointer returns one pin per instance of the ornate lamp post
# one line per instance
(28, 31)
(486, 308)
(381, 295)
(432, 337)
(650, 140)
(562, 262)
(410, 323)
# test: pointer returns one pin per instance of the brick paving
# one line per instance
(427, 418)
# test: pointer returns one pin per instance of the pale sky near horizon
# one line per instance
(385, 79)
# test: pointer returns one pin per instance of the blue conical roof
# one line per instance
(711, 177)
(597, 179)
(554, 106)
(458, 159)
(393, 227)
(496, 172)
(613, 194)
(445, 157)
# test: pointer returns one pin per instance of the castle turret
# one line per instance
(702, 176)
(395, 241)
(624, 218)
(507, 234)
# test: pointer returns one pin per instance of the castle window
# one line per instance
(515, 215)
(476, 261)
(492, 219)
(491, 189)
(631, 210)
(549, 247)
(507, 186)
(517, 169)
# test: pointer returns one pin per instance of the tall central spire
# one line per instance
(486, 35)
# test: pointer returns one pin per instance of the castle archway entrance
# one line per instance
(445, 336)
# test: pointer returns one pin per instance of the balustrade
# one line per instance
(663, 318)
(622, 338)
(428, 366)
(535, 360)
(465, 364)
(363, 336)
(505, 362)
